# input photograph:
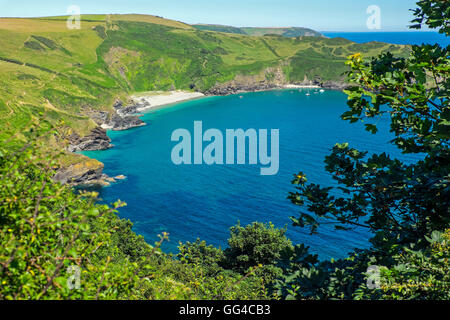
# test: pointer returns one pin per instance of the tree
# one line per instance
(257, 244)
(58, 243)
(401, 203)
(406, 201)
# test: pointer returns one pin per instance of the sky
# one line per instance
(320, 15)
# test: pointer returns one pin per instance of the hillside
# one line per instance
(219, 28)
(76, 75)
(289, 32)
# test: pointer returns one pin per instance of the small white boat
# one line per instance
(322, 91)
(308, 94)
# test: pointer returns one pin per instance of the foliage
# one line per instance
(48, 232)
(416, 271)
(434, 14)
(402, 204)
(46, 228)
(419, 273)
(407, 201)
(257, 244)
(208, 256)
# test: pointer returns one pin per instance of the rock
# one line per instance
(335, 85)
(86, 172)
(96, 140)
(109, 179)
(132, 109)
(142, 103)
(118, 104)
(120, 177)
(118, 122)
(99, 117)
(223, 90)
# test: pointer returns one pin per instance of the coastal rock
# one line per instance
(96, 140)
(99, 117)
(119, 122)
(118, 104)
(132, 109)
(142, 103)
(123, 117)
(223, 90)
(335, 85)
(86, 172)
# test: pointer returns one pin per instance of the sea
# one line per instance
(405, 37)
(204, 201)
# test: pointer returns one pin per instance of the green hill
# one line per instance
(290, 32)
(218, 28)
(69, 74)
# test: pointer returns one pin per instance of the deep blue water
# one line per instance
(408, 37)
(200, 201)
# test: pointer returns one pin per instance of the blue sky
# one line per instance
(321, 15)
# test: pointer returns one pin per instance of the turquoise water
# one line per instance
(409, 37)
(200, 201)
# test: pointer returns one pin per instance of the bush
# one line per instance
(257, 244)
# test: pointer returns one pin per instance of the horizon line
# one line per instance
(225, 25)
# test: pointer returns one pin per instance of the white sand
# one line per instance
(160, 98)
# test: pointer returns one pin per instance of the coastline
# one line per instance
(154, 100)
(126, 117)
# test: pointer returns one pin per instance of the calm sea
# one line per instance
(407, 37)
(200, 201)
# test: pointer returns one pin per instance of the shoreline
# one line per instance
(129, 117)
(156, 100)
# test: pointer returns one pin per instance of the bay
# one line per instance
(201, 201)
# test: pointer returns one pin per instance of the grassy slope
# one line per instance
(286, 32)
(218, 28)
(45, 67)
(290, 32)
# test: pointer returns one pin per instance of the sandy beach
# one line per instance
(155, 99)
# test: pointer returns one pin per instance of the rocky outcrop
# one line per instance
(268, 79)
(141, 103)
(95, 140)
(128, 110)
(236, 88)
(89, 172)
(228, 89)
(335, 85)
(124, 117)
(120, 122)
(86, 172)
